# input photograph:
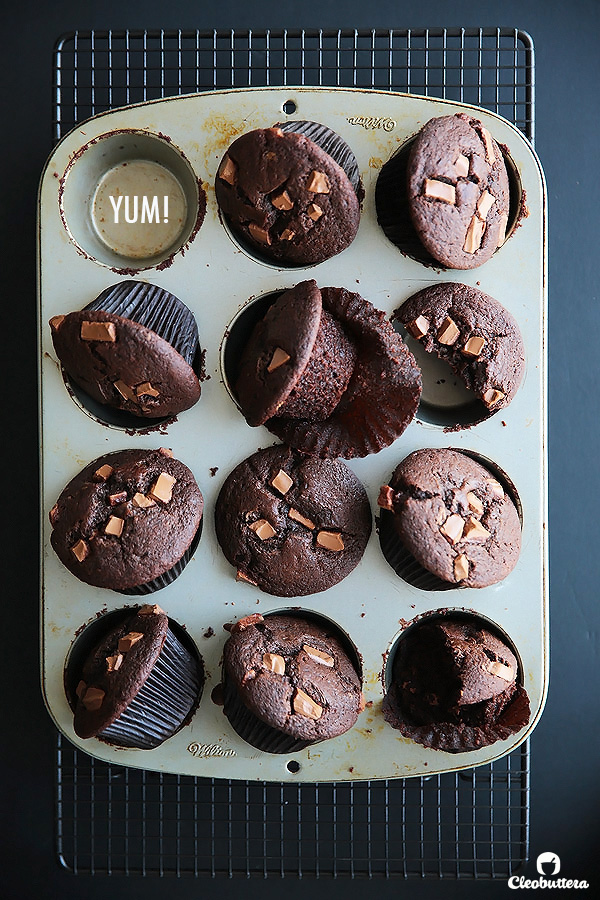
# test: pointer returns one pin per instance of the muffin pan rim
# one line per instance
(54, 468)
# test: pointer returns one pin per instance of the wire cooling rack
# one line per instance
(115, 820)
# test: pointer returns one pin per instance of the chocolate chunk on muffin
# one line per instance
(128, 521)
(455, 686)
(292, 525)
(288, 683)
(286, 198)
(138, 685)
(326, 372)
(134, 348)
(452, 524)
(446, 199)
(474, 334)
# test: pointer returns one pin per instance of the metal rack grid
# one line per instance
(115, 820)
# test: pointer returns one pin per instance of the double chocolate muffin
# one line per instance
(474, 334)
(446, 200)
(326, 372)
(452, 524)
(138, 685)
(128, 521)
(134, 348)
(455, 686)
(287, 198)
(288, 682)
(292, 525)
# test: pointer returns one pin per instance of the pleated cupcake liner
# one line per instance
(156, 309)
(252, 729)
(168, 577)
(164, 703)
(403, 562)
(331, 143)
(393, 214)
(382, 396)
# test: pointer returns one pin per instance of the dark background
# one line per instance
(565, 783)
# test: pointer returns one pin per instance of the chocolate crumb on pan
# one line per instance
(289, 683)
(326, 372)
(290, 524)
(128, 521)
(285, 198)
(448, 192)
(452, 519)
(455, 686)
(134, 348)
(139, 685)
(474, 334)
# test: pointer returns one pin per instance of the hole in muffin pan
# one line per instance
(293, 766)
(289, 107)
(405, 565)
(237, 335)
(460, 613)
(391, 203)
(91, 634)
(328, 624)
(445, 400)
(135, 166)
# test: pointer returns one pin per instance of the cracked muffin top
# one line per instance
(294, 675)
(454, 517)
(455, 686)
(292, 524)
(286, 197)
(474, 334)
(126, 518)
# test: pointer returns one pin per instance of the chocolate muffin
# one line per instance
(326, 372)
(446, 521)
(474, 334)
(455, 686)
(450, 191)
(288, 683)
(129, 521)
(292, 525)
(134, 348)
(286, 198)
(138, 685)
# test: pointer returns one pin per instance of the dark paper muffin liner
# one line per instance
(156, 309)
(170, 575)
(461, 737)
(331, 143)
(252, 729)
(381, 398)
(164, 703)
(403, 562)
(391, 204)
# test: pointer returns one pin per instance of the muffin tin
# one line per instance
(202, 264)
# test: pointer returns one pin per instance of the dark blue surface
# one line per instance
(565, 790)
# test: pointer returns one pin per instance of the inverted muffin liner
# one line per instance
(170, 575)
(381, 398)
(329, 141)
(156, 309)
(459, 737)
(164, 703)
(403, 562)
(252, 729)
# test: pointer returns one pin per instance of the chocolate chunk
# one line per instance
(318, 183)
(80, 550)
(274, 663)
(98, 331)
(162, 489)
(330, 540)
(114, 526)
(304, 705)
(439, 190)
(263, 529)
(128, 640)
(298, 517)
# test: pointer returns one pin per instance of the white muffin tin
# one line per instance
(215, 278)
